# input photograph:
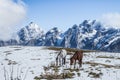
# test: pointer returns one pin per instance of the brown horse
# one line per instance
(77, 56)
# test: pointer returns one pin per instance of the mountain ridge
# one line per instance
(90, 34)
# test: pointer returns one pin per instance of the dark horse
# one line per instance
(77, 56)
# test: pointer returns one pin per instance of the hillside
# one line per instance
(34, 63)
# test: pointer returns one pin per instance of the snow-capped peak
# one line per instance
(90, 34)
(33, 26)
(32, 31)
(54, 31)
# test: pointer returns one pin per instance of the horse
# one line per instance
(78, 55)
(61, 57)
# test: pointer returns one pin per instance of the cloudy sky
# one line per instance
(56, 13)
(12, 13)
(65, 13)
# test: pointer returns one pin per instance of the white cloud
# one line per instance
(11, 13)
(111, 20)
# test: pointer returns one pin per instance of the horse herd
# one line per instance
(61, 58)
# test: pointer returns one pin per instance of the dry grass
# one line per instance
(68, 75)
(72, 70)
(69, 50)
(35, 59)
(78, 74)
(105, 65)
(8, 53)
(110, 57)
(98, 69)
(10, 62)
(118, 58)
(55, 73)
(32, 72)
(17, 49)
(54, 76)
(91, 63)
(95, 75)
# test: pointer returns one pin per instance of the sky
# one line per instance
(15, 14)
(65, 13)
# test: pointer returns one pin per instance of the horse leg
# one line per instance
(80, 63)
(59, 62)
(56, 62)
(64, 60)
(75, 64)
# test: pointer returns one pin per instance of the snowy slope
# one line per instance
(24, 58)
(29, 62)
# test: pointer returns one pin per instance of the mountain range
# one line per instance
(90, 34)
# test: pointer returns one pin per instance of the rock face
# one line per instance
(53, 37)
(92, 35)
(88, 35)
(81, 36)
(31, 35)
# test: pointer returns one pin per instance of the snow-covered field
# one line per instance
(26, 63)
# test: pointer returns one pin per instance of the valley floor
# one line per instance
(32, 63)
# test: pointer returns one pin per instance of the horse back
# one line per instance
(62, 53)
(79, 54)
